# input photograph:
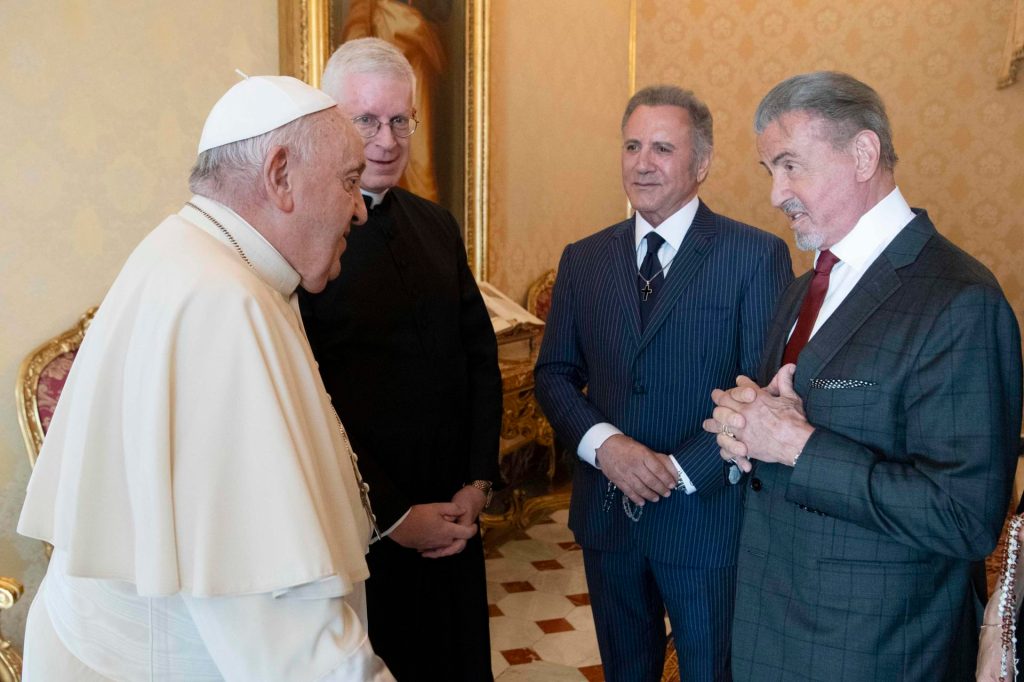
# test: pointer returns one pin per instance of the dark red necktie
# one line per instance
(810, 307)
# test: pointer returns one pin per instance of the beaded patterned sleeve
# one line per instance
(1009, 596)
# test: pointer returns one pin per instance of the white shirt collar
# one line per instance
(375, 197)
(673, 229)
(267, 262)
(873, 232)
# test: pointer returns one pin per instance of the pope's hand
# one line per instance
(639, 472)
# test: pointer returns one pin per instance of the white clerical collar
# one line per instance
(375, 197)
(873, 232)
(673, 229)
(269, 264)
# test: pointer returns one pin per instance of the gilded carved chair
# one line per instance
(670, 673)
(538, 297)
(10, 660)
(522, 421)
(538, 302)
(40, 381)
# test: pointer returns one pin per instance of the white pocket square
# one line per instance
(832, 384)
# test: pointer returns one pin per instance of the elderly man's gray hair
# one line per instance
(673, 96)
(847, 104)
(365, 55)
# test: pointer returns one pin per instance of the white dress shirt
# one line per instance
(375, 197)
(673, 229)
(859, 249)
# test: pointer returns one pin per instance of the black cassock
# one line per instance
(408, 354)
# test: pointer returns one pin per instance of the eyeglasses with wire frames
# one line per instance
(401, 126)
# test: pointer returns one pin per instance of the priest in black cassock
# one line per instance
(407, 352)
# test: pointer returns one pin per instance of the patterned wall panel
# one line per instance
(935, 62)
(557, 88)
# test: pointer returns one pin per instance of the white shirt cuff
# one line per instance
(395, 525)
(594, 438)
(684, 480)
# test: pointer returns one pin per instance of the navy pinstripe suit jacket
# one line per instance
(854, 565)
(708, 325)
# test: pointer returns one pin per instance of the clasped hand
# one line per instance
(441, 529)
(640, 473)
(766, 424)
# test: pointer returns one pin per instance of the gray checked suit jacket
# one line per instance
(854, 564)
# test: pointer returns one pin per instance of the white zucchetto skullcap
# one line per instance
(257, 105)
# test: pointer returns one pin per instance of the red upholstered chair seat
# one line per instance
(51, 383)
(538, 298)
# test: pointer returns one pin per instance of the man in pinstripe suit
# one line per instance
(884, 456)
(647, 317)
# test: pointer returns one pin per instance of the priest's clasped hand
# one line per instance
(766, 424)
(472, 501)
(433, 530)
(640, 473)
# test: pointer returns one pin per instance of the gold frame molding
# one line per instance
(304, 38)
(631, 58)
(477, 179)
(28, 381)
(631, 68)
(1013, 52)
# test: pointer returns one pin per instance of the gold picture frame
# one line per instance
(306, 29)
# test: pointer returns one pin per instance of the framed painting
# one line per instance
(446, 42)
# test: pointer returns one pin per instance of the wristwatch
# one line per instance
(487, 488)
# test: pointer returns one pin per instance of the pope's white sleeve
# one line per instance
(304, 633)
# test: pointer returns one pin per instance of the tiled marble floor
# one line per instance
(541, 625)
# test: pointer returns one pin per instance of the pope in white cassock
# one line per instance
(201, 496)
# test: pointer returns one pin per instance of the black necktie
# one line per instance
(651, 276)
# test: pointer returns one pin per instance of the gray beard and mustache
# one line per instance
(805, 241)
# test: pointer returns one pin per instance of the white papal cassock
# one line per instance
(195, 483)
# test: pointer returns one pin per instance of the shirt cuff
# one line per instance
(395, 525)
(684, 480)
(594, 438)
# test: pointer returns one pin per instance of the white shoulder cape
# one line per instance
(194, 448)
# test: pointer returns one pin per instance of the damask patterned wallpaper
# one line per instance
(558, 83)
(960, 140)
(101, 111)
(934, 62)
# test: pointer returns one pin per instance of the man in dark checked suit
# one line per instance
(647, 316)
(881, 462)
